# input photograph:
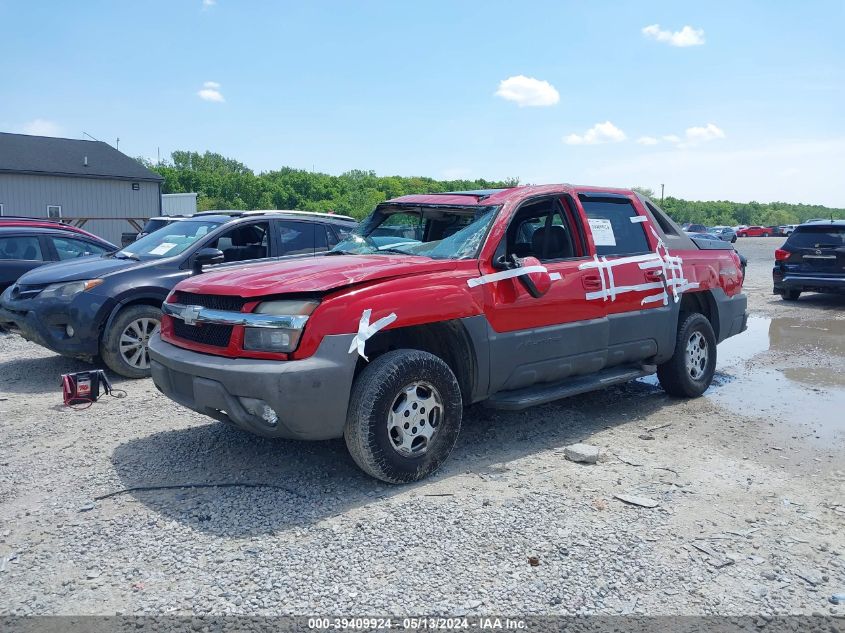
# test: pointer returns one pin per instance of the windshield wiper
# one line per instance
(388, 249)
(122, 255)
(340, 253)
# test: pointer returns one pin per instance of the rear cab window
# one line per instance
(609, 220)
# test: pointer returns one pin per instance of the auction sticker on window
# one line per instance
(162, 249)
(602, 232)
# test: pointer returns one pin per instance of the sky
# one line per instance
(715, 100)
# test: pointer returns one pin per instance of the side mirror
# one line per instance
(506, 262)
(206, 257)
(536, 283)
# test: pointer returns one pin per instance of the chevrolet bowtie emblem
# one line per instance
(190, 314)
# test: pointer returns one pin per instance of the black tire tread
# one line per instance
(371, 387)
(672, 374)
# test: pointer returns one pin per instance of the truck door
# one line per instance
(560, 334)
(636, 276)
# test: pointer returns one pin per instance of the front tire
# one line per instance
(124, 346)
(404, 416)
(690, 371)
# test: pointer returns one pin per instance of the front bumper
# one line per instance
(45, 321)
(309, 396)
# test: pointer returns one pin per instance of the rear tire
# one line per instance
(791, 295)
(765, 235)
(690, 371)
(123, 347)
(389, 432)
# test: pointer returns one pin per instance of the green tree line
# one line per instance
(225, 183)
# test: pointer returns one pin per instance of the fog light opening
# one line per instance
(260, 409)
(69, 331)
(269, 415)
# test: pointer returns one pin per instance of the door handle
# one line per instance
(591, 282)
(654, 275)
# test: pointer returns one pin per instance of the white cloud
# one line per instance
(687, 36)
(527, 91)
(693, 136)
(41, 127)
(208, 3)
(211, 92)
(702, 134)
(600, 133)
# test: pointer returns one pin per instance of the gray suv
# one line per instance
(107, 306)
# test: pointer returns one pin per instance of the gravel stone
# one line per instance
(329, 540)
(583, 453)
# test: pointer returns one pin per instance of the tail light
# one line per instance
(781, 255)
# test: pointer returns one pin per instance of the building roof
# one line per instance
(45, 155)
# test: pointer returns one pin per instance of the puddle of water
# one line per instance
(797, 375)
(785, 370)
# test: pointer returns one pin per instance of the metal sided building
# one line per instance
(86, 183)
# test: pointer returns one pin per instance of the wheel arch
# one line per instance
(150, 299)
(703, 303)
(448, 340)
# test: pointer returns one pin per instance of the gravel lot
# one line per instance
(749, 480)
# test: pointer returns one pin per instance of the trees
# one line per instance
(225, 183)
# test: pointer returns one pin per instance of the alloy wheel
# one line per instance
(134, 340)
(414, 417)
(697, 355)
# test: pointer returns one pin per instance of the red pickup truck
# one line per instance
(510, 298)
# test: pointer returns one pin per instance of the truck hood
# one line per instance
(91, 267)
(317, 274)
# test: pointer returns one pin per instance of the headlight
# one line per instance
(278, 339)
(68, 290)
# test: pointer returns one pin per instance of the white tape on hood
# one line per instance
(367, 329)
(505, 274)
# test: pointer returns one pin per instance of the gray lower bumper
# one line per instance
(309, 396)
(733, 314)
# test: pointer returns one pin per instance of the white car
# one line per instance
(787, 229)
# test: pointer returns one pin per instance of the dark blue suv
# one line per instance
(812, 259)
(108, 306)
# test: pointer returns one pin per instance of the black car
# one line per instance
(152, 225)
(812, 259)
(23, 248)
(108, 306)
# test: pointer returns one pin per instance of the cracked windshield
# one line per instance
(436, 233)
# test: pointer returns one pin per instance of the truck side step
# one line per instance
(518, 399)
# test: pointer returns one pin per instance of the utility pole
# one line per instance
(117, 143)
(661, 192)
